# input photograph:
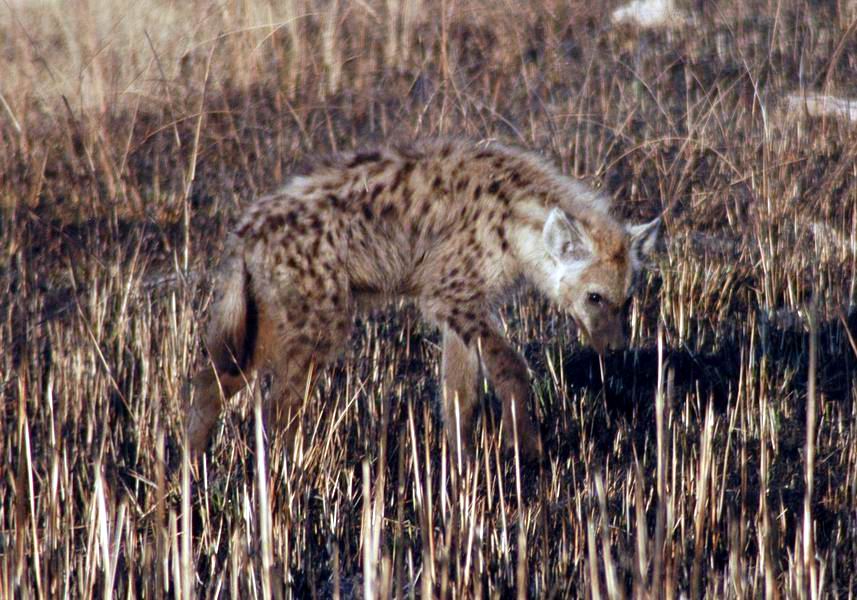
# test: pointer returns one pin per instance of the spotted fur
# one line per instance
(452, 225)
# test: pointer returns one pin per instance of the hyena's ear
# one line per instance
(564, 238)
(644, 238)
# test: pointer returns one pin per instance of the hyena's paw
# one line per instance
(199, 424)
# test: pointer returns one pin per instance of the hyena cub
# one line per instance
(454, 226)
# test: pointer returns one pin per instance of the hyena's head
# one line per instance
(594, 266)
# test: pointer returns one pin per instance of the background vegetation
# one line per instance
(718, 456)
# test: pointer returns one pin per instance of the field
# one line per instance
(716, 457)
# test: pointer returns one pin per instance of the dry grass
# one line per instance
(717, 457)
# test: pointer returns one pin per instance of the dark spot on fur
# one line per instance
(407, 193)
(367, 212)
(402, 175)
(388, 211)
(477, 192)
(376, 191)
(436, 183)
(364, 157)
(276, 221)
(334, 201)
(461, 185)
(483, 155)
(494, 187)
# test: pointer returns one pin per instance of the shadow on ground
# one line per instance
(630, 377)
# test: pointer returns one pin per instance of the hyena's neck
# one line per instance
(533, 263)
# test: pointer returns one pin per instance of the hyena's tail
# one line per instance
(230, 341)
(233, 320)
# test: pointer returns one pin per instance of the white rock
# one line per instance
(822, 105)
(650, 13)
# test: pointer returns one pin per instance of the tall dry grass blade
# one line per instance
(160, 529)
(764, 532)
(703, 485)
(641, 547)
(370, 557)
(521, 579)
(175, 556)
(614, 589)
(22, 478)
(263, 497)
(25, 499)
(592, 545)
(660, 426)
(427, 577)
(331, 53)
(810, 565)
(103, 532)
(10, 113)
(185, 564)
(736, 556)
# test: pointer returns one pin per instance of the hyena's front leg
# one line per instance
(460, 375)
(508, 373)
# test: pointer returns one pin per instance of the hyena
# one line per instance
(453, 225)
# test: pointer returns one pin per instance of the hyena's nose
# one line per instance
(617, 341)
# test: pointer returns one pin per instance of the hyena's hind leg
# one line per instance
(306, 335)
(230, 341)
(460, 391)
(211, 387)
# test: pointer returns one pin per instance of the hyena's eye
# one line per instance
(595, 299)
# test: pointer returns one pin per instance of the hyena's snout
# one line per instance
(609, 336)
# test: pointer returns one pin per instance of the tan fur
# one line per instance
(453, 225)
